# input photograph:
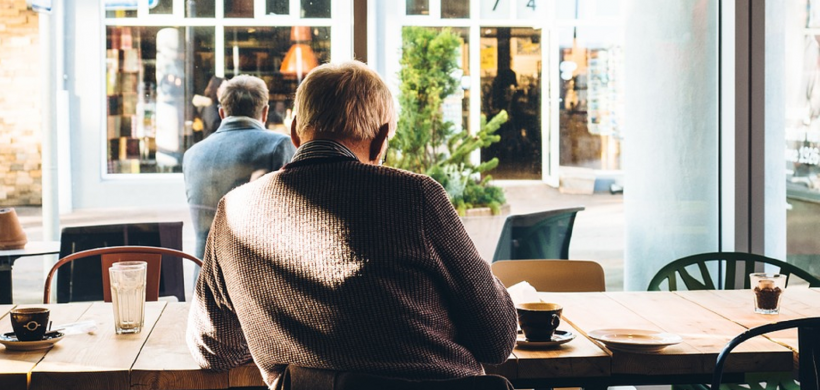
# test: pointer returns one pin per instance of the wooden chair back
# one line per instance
(82, 280)
(111, 255)
(552, 275)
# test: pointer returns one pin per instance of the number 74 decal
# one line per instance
(530, 4)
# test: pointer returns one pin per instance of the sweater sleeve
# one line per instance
(214, 334)
(482, 310)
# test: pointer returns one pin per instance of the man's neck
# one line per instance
(360, 148)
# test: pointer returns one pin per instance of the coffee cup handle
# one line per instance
(556, 320)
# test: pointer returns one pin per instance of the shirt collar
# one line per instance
(322, 148)
(240, 122)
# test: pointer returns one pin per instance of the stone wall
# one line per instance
(20, 158)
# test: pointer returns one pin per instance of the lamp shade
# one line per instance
(12, 235)
(299, 60)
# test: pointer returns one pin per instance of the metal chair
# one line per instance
(82, 280)
(552, 275)
(541, 235)
(151, 255)
(808, 330)
(694, 271)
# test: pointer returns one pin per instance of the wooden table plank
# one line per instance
(15, 366)
(702, 330)
(588, 312)
(245, 375)
(101, 360)
(579, 358)
(738, 305)
(165, 362)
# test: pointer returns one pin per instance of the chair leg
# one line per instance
(809, 343)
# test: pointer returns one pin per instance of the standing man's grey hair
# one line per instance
(244, 95)
(344, 100)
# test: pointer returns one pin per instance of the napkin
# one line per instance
(81, 327)
(523, 292)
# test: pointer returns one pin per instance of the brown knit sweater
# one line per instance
(335, 264)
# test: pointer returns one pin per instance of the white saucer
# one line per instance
(635, 340)
(12, 344)
(560, 337)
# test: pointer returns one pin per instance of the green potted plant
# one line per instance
(426, 143)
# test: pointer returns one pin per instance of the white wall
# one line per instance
(671, 143)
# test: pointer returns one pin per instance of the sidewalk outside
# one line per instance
(598, 233)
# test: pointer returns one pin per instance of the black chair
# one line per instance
(302, 378)
(695, 271)
(808, 330)
(81, 280)
(542, 235)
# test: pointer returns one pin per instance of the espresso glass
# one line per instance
(767, 289)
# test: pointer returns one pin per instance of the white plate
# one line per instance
(12, 344)
(635, 340)
(560, 337)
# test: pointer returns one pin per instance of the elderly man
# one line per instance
(335, 262)
(240, 150)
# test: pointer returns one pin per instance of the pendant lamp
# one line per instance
(300, 58)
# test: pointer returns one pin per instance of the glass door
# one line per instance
(511, 81)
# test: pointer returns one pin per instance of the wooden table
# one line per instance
(8, 256)
(158, 357)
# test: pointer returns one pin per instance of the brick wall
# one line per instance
(20, 159)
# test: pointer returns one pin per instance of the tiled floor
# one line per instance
(598, 233)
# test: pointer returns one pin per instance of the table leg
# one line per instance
(5, 287)
(5, 279)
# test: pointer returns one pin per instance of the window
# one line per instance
(578, 79)
(800, 85)
(161, 56)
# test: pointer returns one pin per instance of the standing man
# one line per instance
(240, 150)
(335, 262)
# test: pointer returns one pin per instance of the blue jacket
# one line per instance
(226, 160)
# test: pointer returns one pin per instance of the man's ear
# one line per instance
(264, 117)
(293, 136)
(377, 146)
(221, 113)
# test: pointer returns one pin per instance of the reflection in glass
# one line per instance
(418, 7)
(238, 8)
(200, 9)
(511, 81)
(278, 7)
(147, 128)
(315, 8)
(163, 7)
(260, 51)
(591, 106)
(120, 13)
(801, 85)
(455, 9)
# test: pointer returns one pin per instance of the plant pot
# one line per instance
(484, 228)
(12, 235)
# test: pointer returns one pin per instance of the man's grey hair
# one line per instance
(244, 95)
(344, 100)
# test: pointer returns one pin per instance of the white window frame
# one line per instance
(341, 38)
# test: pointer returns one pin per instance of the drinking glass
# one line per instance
(128, 295)
(768, 289)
